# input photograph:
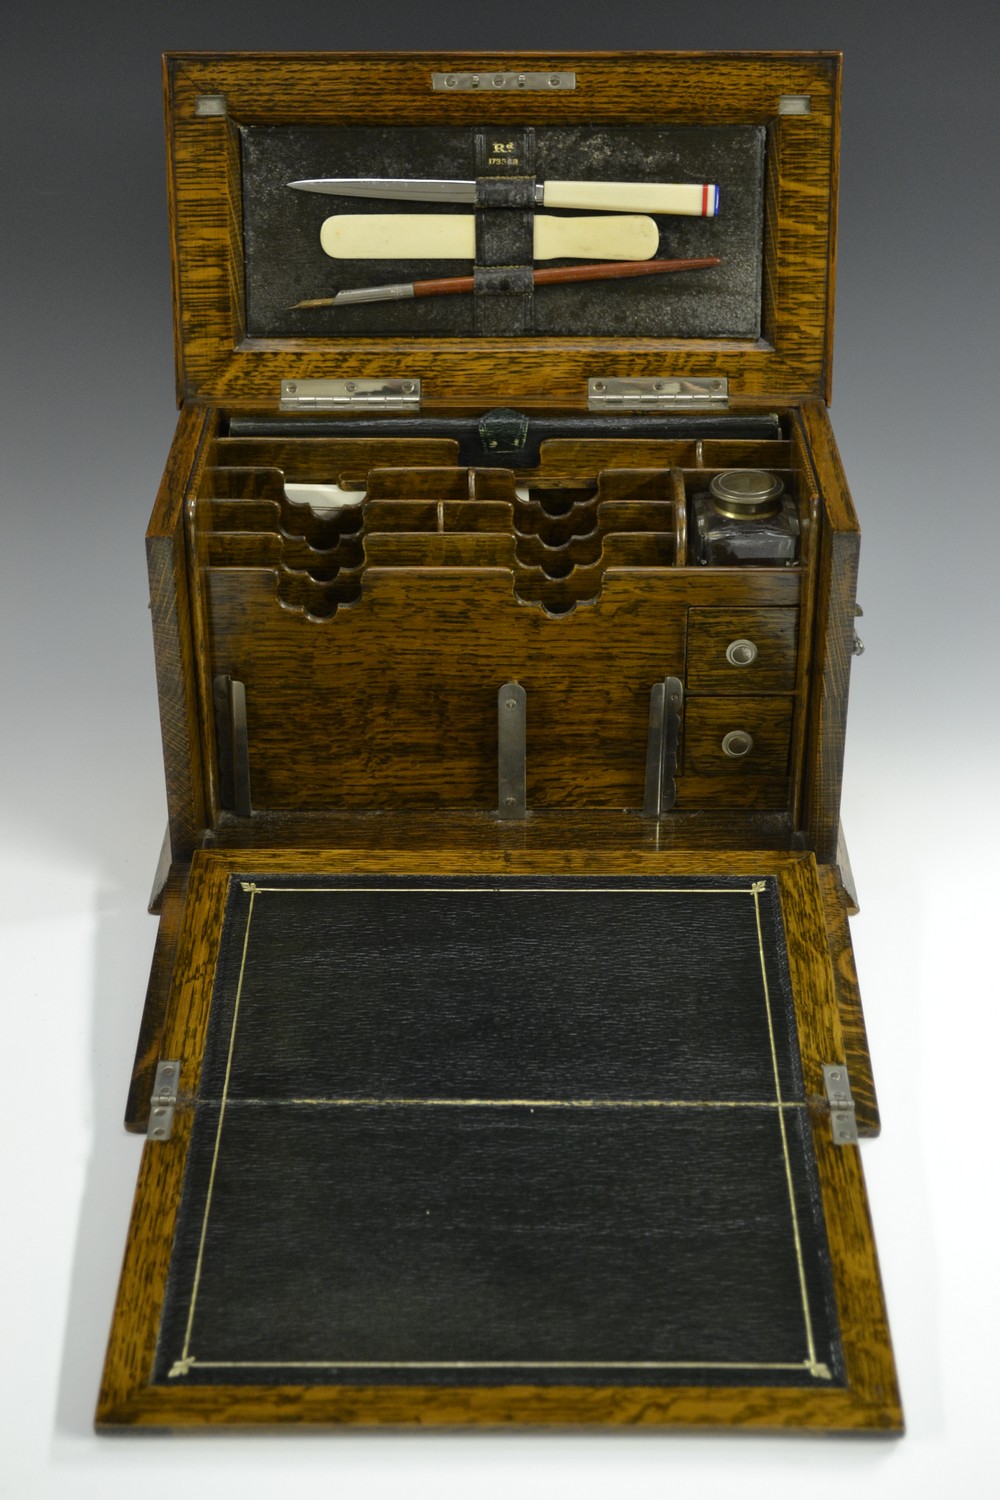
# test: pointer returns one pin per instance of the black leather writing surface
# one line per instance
(467, 988)
(539, 1131)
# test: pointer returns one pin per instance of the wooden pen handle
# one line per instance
(599, 271)
(617, 268)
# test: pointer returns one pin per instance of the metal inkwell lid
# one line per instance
(745, 494)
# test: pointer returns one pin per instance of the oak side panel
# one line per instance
(833, 641)
(173, 643)
(834, 208)
(809, 512)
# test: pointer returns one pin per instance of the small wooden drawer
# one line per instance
(737, 736)
(742, 650)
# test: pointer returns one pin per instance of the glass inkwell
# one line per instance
(745, 516)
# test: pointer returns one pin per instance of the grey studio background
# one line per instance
(88, 414)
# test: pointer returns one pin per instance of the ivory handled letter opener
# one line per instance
(700, 199)
(453, 237)
(446, 284)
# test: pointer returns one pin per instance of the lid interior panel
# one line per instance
(285, 264)
(766, 329)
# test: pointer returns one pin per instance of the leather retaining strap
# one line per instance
(505, 196)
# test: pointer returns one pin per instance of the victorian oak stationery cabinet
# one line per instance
(502, 1060)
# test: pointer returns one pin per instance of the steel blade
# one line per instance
(425, 190)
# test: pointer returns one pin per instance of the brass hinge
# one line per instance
(656, 393)
(843, 1122)
(350, 395)
(164, 1100)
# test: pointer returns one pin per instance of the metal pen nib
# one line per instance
(395, 292)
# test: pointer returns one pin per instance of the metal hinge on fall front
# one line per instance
(350, 395)
(656, 393)
(843, 1122)
(163, 1100)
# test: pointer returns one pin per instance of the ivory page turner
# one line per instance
(453, 237)
(700, 199)
(601, 271)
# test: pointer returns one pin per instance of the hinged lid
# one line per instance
(762, 126)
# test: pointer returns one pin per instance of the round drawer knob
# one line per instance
(737, 743)
(741, 653)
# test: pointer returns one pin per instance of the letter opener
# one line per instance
(700, 199)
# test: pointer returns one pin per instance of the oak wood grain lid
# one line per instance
(211, 97)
